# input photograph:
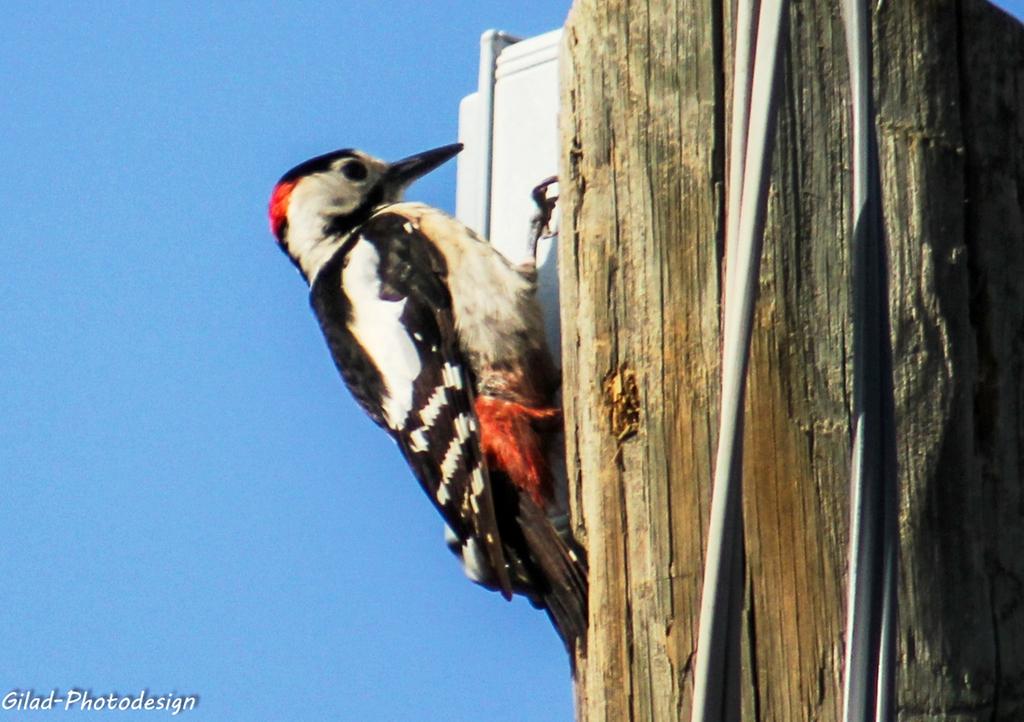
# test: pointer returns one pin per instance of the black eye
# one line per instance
(354, 170)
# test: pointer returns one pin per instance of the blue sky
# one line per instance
(190, 501)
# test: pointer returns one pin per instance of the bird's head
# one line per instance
(315, 204)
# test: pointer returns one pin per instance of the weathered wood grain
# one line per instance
(644, 152)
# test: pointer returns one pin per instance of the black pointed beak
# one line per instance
(403, 172)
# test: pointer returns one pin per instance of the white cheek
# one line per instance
(314, 200)
(377, 326)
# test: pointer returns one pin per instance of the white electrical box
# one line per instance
(510, 131)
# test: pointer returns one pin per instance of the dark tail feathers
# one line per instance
(564, 567)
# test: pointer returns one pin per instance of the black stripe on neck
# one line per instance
(341, 225)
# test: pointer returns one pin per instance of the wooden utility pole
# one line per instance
(644, 121)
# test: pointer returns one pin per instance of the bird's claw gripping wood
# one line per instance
(540, 224)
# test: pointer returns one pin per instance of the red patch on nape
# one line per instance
(279, 206)
(511, 444)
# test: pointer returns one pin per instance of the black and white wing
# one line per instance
(387, 316)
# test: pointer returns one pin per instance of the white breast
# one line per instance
(494, 304)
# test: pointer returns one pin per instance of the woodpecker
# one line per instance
(439, 338)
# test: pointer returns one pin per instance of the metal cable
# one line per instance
(868, 684)
(716, 697)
